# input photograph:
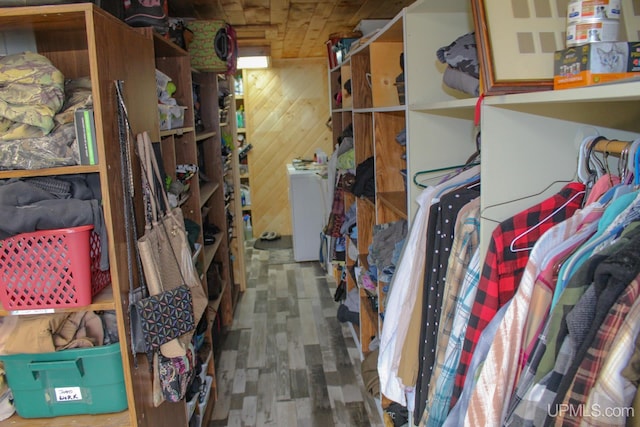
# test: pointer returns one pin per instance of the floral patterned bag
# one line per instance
(175, 374)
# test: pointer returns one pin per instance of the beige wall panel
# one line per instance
(287, 109)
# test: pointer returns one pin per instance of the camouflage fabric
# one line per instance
(29, 149)
(461, 54)
(59, 148)
(77, 95)
(31, 93)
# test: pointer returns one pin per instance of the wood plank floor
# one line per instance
(287, 360)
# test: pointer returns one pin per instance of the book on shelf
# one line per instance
(86, 136)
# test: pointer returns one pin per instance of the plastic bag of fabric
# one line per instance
(59, 148)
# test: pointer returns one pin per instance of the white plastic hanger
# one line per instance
(631, 161)
(584, 174)
(540, 223)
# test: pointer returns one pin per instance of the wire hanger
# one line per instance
(471, 161)
(521, 235)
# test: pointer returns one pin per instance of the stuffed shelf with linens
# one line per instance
(68, 36)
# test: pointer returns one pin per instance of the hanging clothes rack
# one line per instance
(612, 147)
(626, 151)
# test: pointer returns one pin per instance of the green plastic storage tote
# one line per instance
(67, 382)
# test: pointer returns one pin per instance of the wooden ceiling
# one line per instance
(292, 28)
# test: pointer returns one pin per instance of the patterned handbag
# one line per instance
(164, 316)
(175, 374)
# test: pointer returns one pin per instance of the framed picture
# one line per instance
(516, 40)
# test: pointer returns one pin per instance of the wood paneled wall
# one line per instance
(286, 110)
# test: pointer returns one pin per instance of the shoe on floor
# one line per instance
(269, 235)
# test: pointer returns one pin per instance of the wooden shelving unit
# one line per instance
(375, 111)
(82, 40)
(71, 36)
(232, 177)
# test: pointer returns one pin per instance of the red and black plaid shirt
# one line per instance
(504, 268)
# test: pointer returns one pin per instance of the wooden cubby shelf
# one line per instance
(83, 40)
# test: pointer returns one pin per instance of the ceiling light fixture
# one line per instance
(254, 57)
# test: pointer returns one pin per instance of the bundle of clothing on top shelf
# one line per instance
(461, 58)
(545, 332)
(37, 109)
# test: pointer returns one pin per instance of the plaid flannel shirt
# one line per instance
(612, 389)
(611, 279)
(537, 371)
(593, 360)
(503, 268)
(450, 206)
(502, 366)
(445, 379)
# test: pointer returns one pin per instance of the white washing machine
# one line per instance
(307, 197)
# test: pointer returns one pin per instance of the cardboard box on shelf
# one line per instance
(596, 63)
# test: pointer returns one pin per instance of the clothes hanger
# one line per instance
(584, 172)
(625, 150)
(529, 230)
(633, 150)
(473, 160)
(558, 181)
(447, 168)
(636, 162)
(592, 157)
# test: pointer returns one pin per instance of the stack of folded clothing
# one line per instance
(461, 57)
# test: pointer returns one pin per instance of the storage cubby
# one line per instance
(385, 66)
(391, 194)
(360, 69)
(346, 88)
(363, 134)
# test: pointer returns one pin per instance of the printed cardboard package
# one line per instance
(596, 63)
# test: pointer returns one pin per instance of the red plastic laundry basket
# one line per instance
(51, 269)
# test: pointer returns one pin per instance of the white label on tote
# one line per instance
(34, 311)
(68, 394)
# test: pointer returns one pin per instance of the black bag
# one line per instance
(341, 291)
(365, 182)
(146, 13)
(214, 281)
